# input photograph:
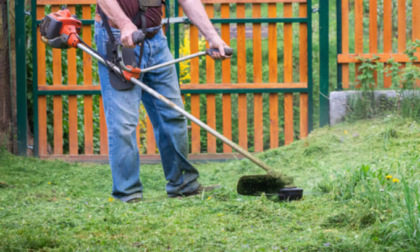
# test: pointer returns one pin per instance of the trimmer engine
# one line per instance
(60, 29)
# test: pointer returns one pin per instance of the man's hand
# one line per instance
(114, 13)
(217, 43)
(127, 34)
(196, 13)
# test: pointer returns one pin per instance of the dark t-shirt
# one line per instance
(131, 8)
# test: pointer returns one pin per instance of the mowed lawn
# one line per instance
(350, 202)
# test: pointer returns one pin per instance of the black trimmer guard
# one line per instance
(256, 185)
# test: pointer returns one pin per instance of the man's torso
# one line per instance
(131, 8)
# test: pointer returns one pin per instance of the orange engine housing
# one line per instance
(60, 29)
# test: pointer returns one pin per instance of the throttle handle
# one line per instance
(228, 51)
(138, 37)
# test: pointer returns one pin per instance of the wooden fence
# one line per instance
(379, 30)
(268, 103)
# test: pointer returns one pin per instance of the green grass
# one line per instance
(348, 203)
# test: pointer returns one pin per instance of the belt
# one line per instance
(150, 32)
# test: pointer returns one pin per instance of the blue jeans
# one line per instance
(122, 116)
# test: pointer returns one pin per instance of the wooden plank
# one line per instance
(416, 30)
(402, 37)
(358, 34)
(383, 57)
(272, 77)
(57, 99)
(303, 114)
(72, 80)
(226, 98)
(145, 159)
(69, 88)
(64, 2)
(303, 71)
(373, 30)
(42, 80)
(138, 135)
(258, 99)
(345, 41)
(241, 59)
(211, 98)
(87, 80)
(251, 1)
(48, 2)
(150, 137)
(103, 137)
(195, 98)
(213, 86)
(288, 75)
(387, 38)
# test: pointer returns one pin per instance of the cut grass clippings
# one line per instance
(350, 201)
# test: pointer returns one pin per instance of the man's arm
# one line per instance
(113, 11)
(195, 12)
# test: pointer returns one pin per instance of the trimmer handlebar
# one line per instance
(138, 37)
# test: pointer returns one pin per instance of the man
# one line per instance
(121, 107)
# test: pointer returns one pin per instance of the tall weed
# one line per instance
(393, 206)
(405, 80)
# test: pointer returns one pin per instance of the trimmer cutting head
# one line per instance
(256, 185)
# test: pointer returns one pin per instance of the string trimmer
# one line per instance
(61, 30)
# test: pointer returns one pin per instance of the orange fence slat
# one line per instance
(288, 76)
(258, 99)
(416, 30)
(211, 98)
(57, 99)
(150, 138)
(87, 79)
(42, 80)
(226, 98)
(241, 59)
(303, 71)
(103, 137)
(358, 34)
(138, 135)
(345, 41)
(387, 38)
(195, 98)
(72, 80)
(272, 70)
(373, 30)
(402, 37)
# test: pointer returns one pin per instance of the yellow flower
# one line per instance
(110, 199)
(395, 180)
(346, 132)
(49, 183)
(68, 199)
(209, 198)
(388, 177)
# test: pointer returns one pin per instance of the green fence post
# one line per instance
(323, 64)
(339, 45)
(310, 79)
(21, 101)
